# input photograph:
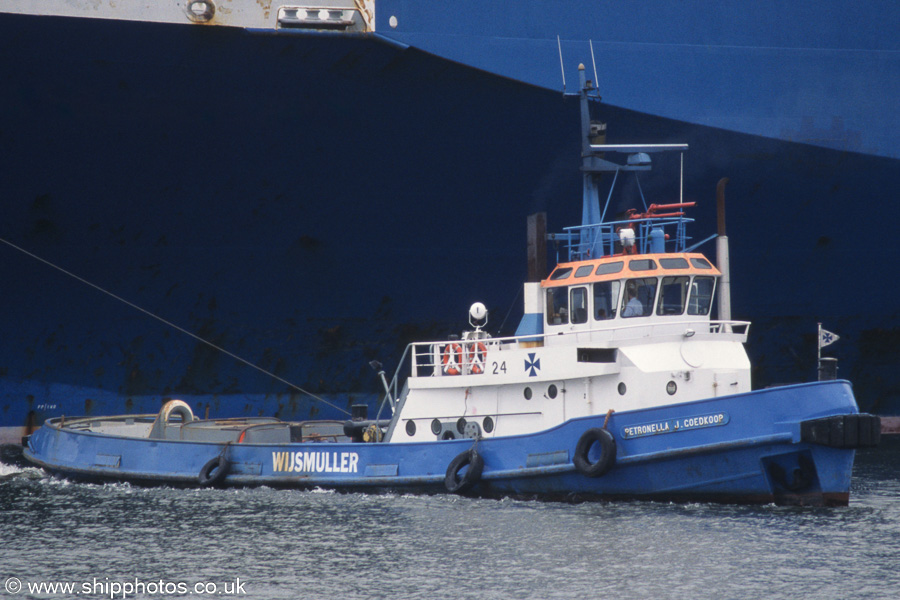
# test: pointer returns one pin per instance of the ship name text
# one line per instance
(673, 425)
(315, 462)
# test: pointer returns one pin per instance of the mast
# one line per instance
(590, 211)
(595, 236)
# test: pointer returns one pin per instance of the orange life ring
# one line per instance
(452, 359)
(475, 354)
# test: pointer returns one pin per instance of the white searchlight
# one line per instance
(478, 312)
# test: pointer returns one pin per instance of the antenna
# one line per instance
(593, 60)
(561, 68)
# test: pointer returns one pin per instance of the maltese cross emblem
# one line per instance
(532, 365)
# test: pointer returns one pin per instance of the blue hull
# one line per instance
(117, 175)
(162, 162)
(821, 73)
(747, 448)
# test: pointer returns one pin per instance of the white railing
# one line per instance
(468, 357)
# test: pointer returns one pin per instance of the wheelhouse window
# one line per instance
(606, 299)
(639, 296)
(673, 295)
(674, 263)
(579, 305)
(560, 273)
(609, 268)
(642, 264)
(701, 295)
(558, 306)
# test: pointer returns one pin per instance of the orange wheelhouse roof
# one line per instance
(626, 266)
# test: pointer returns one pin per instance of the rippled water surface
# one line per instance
(265, 543)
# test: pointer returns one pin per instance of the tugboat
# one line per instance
(617, 385)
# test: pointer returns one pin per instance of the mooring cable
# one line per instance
(172, 325)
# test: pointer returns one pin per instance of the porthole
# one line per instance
(528, 393)
(487, 424)
(436, 427)
(552, 391)
(411, 428)
(461, 424)
(671, 388)
(622, 388)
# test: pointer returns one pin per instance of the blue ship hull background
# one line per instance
(264, 190)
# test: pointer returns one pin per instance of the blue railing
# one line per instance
(585, 242)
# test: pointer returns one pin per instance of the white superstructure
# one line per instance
(619, 333)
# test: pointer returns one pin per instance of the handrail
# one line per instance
(582, 239)
(533, 336)
(692, 327)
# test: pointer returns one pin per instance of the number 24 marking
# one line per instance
(499, 367)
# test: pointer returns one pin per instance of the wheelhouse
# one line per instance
(606, 292)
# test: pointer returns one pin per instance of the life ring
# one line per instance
(452, 359)
(214, 471)
(459, 485)
(607, 452)
(475, 355)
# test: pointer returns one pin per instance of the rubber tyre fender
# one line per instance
(459, 485)
(607, 452)
(214, 471)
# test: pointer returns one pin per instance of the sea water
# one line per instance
(120, 541)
